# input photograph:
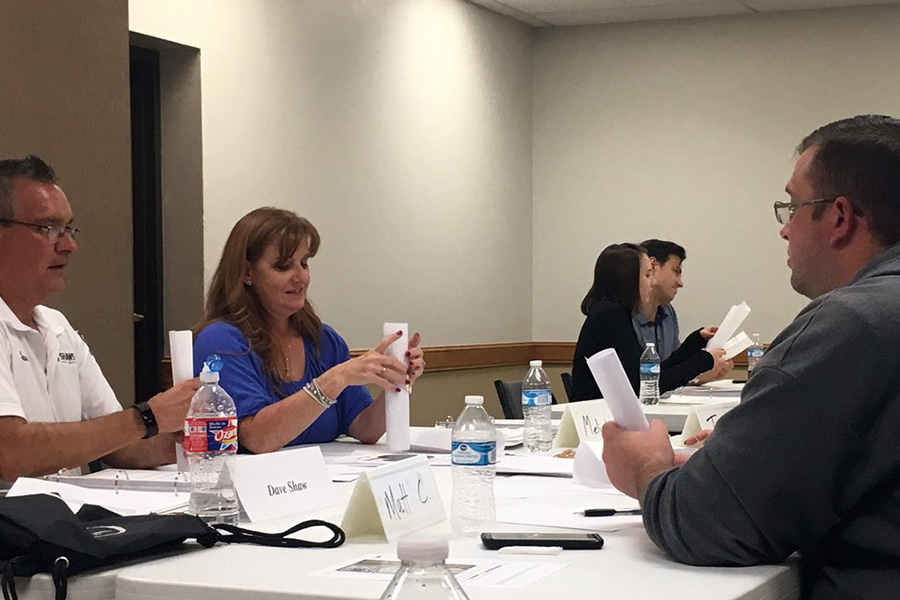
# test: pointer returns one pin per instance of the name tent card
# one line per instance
(393, 500)
(581, 421)
(705, 416)
(282, 483)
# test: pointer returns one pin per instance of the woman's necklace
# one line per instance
(287, 360)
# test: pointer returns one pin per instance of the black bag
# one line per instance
(40, 534)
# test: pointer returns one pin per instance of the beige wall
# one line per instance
(64, 97)
(401, 128)
(685, 130)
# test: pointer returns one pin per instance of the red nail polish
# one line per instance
(400, 332)
(407, 355)
(397, 390)
(407, 381)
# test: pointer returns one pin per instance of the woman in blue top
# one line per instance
(291, 376)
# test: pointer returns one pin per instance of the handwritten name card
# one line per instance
(705, 416)
(292, 481)
(581, 421)
(391, 501)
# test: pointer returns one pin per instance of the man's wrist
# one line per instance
(147, 419)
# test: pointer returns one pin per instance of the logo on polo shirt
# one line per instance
(67, 357)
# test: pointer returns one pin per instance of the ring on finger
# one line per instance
(383, 370)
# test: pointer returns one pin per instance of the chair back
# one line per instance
(567, 384)
(510, 395)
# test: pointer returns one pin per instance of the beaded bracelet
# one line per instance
(315, 392)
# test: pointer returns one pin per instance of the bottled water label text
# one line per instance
(536, 398)
(210, 434)
(474, 453)
(649, 368)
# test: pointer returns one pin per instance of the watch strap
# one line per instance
(148, 418)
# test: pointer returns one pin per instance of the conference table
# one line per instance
(629, 566)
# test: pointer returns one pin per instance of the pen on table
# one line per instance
(608, 512)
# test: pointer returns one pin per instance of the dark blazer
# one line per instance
(608, 325)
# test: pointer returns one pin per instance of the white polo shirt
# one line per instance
(49, 375)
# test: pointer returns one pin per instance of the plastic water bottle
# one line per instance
(473, 455)
(210, 444)
(423, 574)
(536, 400)
(650, 375)
(754, 353)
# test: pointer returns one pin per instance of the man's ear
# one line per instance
(654, 263)
(845, 223)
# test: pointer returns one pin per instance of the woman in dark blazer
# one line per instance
(623, 276)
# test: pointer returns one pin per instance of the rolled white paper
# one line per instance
(626, 410)
(736, 345)
(731, 322)
(181, 344)
(396, 404)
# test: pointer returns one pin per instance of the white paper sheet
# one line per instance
(589, 469)
(535, 465)
(468, 571)
(617, 391)
(553, 515)
(736, 345)
(731, 322)
(181, 345)
(123, 502)
(396, 404)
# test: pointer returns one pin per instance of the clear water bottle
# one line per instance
(473, 455)
(423, 574)
(210, 444)
(754, 353)
(536, 400)
(650, 375)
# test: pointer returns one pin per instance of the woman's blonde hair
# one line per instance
(231, 299)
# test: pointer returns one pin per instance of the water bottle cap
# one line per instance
(536, 363)
(207, 376)
(474, 399)
(423, 548)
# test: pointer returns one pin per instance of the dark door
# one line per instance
(146, 189)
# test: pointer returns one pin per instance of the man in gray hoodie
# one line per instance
(808, 461)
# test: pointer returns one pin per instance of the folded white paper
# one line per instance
(581, 421)
(736, 345)
(731, 322)
(396, 404)
(590, 471)
(124, 502)
(293, 481)
(705, 416)
(626, 410)
(393, 500)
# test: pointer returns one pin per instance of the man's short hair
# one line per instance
(661, 250)
(859, 157)
(31, 167)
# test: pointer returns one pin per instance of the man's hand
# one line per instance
(171, 406)
(633, 458)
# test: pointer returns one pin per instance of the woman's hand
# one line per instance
(416, 359)
(374, 367)
(720, 369)
(707, 332)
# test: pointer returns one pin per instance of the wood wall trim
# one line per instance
(459, 357)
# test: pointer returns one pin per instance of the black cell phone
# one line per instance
(569, 541)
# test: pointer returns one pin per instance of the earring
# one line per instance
(248, 283)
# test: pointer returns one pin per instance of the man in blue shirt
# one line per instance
(660, 323)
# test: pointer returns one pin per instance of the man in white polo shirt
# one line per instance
(56, 408)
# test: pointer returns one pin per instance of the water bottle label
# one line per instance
(754, 352)
(649, 368)
(474, 453)
(536, 398)
(210, 434)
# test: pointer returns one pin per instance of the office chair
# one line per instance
(567, 384)
(510, 395)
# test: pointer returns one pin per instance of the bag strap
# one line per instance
(60, 578)
(238, 535)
